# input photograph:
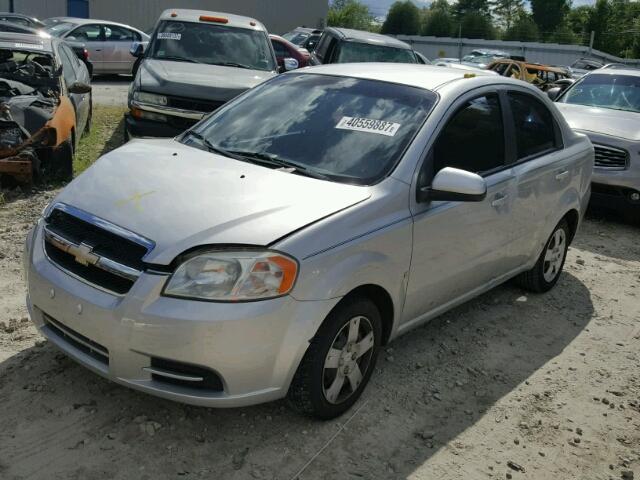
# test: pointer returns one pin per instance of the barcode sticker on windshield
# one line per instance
(169, 36)
(368, 125)
(37, 46)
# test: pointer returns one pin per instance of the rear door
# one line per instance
(116, 53)
(541, 169)
(93, 38)
(459, 247)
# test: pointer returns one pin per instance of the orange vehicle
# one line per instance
(45, 105)
(542, 76)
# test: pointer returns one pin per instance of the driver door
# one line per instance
(461, 247)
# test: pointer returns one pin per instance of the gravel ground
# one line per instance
(509, 385)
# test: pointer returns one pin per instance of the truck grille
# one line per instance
(610, 158)
(192, 104)
(94, 250)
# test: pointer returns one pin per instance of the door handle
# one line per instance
(562, 175)
(499, 199)
(98, 49)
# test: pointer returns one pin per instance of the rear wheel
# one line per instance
(544, 275)
(338, 362)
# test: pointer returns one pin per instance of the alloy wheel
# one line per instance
(554, 256)
(348, 360)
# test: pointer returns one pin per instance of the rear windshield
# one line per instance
(212, 44)
(618, 92)
(365, 52)
(58, 29)
(346, 129)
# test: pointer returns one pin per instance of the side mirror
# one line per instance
(290, 64)
(455, 185)
(554, 92)
(137, 49)
(79, 88)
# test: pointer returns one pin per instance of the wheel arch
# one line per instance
(573, 219)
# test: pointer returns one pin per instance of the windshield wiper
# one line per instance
(214, 148)
(274, 161)
(233, 64)
(177, 59)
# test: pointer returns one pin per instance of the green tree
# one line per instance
(549, 14)
(477, 25)
(403, 18)
(349, 14)
(523, 29)
(578, 20)
(507, 11)
(599, 23)
(438, 20)
(463, 7)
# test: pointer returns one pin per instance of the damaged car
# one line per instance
(45, 106)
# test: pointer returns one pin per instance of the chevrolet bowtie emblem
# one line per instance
(83, 254)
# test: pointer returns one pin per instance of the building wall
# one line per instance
(279, 16)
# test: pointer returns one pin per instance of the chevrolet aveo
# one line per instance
(272, 249)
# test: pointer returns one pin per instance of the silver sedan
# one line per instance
(271, 250)
(109, 43)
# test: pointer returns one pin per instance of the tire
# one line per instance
(62, 160)
(311, 391)
(546, 272)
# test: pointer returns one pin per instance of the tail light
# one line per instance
(85, 54)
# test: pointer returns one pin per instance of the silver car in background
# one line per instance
(605, 105)
(109, 43)
(272, 249)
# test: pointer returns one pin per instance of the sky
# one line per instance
(379, 8)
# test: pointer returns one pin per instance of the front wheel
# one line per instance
(338, 362)
(544, 275)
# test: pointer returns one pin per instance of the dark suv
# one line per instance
(342, 45)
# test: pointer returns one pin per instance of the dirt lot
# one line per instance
(507, 386)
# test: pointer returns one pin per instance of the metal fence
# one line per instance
(547, 53)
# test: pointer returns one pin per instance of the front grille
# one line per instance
(114, 261)
(181, 123)
(77, 340)
(610, 157)
(104, 242)
(193, 104)
(165, 371)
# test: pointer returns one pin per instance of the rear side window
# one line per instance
(473, 140)
(534, 125)
(114, 33)
(87, 33)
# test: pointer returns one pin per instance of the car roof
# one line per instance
(368, 37)
(429, 77)
(26, 41)
(84, 21)
(634, 72)
(189, 15)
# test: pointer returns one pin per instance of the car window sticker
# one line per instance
(368, 125)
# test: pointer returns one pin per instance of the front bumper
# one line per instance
(254, 348)
(138, 127)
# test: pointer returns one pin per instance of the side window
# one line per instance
(279, 48)
(534, 125)
(501, 68)
(323, 46)
(68, 71)
(87, 33)
(473, 139)
(113, 33)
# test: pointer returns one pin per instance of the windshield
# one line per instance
(212, 44)
(618, 92)
(297, 38)
(366, 52)
(345, 129)
(58, 29)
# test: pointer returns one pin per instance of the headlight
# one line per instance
(149, 98)
(233, 276)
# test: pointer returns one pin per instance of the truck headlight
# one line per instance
(233, 276)
(149, 98)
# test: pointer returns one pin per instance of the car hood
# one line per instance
(197, 80)
(181, 197)
(615, 123)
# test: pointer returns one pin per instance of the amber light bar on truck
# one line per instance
(208, 18)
